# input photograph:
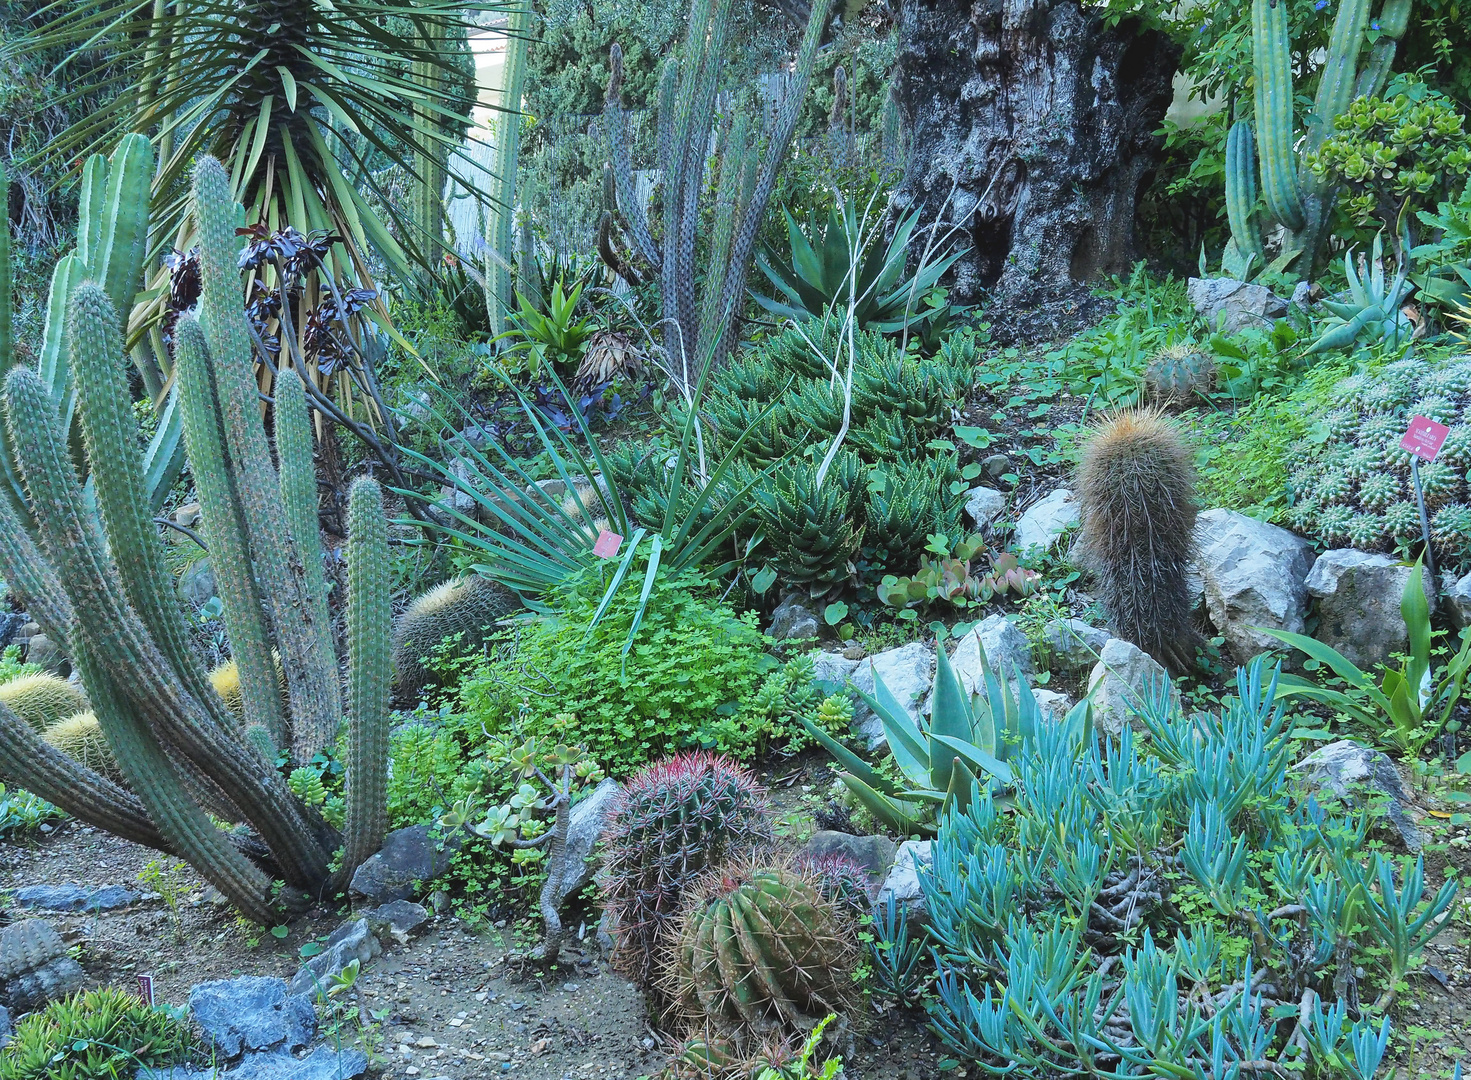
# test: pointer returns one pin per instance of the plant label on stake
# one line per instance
(607, 544)
(145, 989)
(1424, 440)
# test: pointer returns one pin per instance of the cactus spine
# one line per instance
(697, 330)
(185, 757)
(369, 616)
(42, 699)
(1296, 200)
(673, 821)
(500, 218)
(759, 951)
(1136, 493)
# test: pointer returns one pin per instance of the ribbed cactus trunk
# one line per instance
(97, 582)
(500, 216)
(369, 615)
(1296, 200)
(426, 193)
(702, 329)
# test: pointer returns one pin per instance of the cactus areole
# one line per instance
(97, 582)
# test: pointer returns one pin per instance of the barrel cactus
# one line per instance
(97, 581)
(759, 949)
(42, 699)
(674, 819)
(80, 738)
(1179, 374)
(470, 605)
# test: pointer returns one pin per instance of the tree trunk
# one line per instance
(1041, 118)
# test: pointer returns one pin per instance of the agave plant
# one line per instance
(835, 264)
(1373, 310)
(966, 737)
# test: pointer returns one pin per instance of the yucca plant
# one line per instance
(967, 737)
(304, 104)
(833, 263)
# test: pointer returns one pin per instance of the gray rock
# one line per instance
(409, 857)
(906, 671)
(1073, 644)
(351, 941)
(996, 465)
(457, 495)
(1045, 521)
(251, 1013)
(584, 826)
(1255, 575)
(1457, 598)
(874, 853)
(37, 967)
(984, 505)
(902, 882)
(1346, 768)
(1005, 648)
(399, 918)
(1052, 705)
(180, 1072)
(832, 671)
(794, 619)
(40, 649)
(1359, 604)
(1232, 306)
(323, 1063)
(5, 1027)
(1124, 678)
(73, 897)
(197, 583)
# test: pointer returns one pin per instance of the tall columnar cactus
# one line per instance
(747, 161)
(1136, 490)
(369, 618)
(112, 243)
(99, 586)
(500, 217)
(1296, 200)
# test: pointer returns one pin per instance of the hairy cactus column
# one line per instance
(299, 496)
(311, 676)
(1136, 490)
(369, 616)
(75, 546)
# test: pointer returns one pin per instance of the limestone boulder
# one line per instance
(1255, 576)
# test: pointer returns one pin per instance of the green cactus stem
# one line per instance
(369, 615)
(500, 218)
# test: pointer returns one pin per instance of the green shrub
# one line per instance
(11, 666)
(20, 811)
(691, 661)
(101, 1034)
(428, 771)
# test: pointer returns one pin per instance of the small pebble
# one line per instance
(569, 988)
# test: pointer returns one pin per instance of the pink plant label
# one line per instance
(609, 543)
(1425, 438)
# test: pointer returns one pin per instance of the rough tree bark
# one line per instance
(1036, 121)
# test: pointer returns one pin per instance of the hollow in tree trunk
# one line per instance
(1033, 125)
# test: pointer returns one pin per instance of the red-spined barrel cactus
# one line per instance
(759, 950)
(675, 819)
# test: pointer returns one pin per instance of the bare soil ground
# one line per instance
(446, 1004)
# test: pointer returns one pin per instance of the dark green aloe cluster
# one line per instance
(1356, 491)
(777, 409)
